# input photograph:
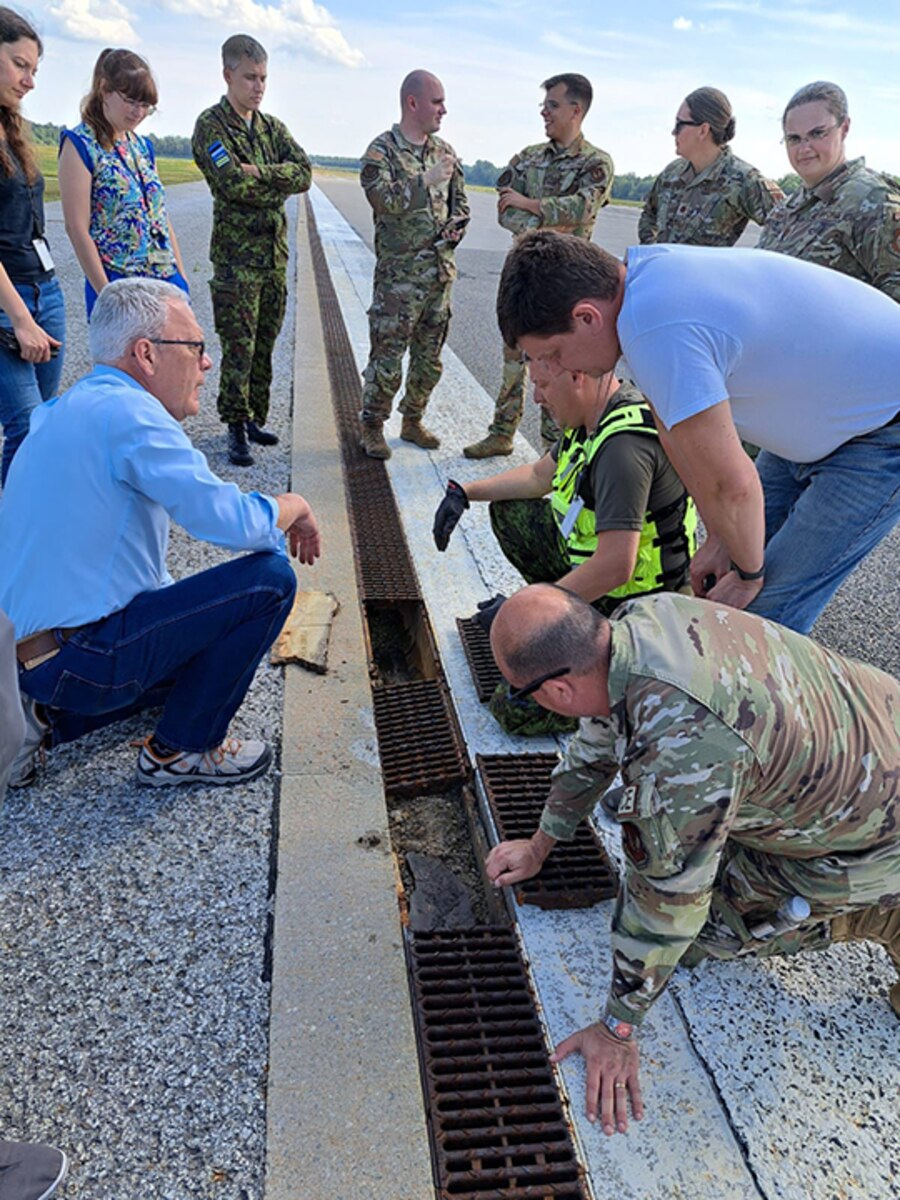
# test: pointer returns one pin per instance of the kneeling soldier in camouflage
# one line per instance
(761, 806)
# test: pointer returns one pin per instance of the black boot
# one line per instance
(262, 437)
(238, 450)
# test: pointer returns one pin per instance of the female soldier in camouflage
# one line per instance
(845, 216)
(708, 198)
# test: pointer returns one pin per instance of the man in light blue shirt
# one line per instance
(102, 629)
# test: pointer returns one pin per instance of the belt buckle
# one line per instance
(39, 659)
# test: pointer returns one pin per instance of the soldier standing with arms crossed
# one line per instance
(559, 184)
(414, 183)
(252, 164)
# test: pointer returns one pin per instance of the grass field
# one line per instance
(171, 171)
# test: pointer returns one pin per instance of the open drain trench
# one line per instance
(496, 1121)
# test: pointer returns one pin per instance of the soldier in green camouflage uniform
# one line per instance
(564, 183)
(845, 216)
(252, 164)
(707, 195)
(758, 766)
(414, 183)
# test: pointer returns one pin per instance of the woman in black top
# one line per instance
(32, 316)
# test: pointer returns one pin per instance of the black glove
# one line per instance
(487, 610)
(450, 509)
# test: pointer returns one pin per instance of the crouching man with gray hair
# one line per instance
(102, 630)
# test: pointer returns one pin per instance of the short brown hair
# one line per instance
(833, 97)
(545, 275)
(578, 88)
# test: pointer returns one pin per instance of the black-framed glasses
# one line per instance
(679, 125)
(529, 689)
(200, 347)
(793, 140)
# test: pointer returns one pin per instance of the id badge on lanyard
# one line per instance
(572, 514)
(42, 250)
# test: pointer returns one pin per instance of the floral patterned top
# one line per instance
(129, 225)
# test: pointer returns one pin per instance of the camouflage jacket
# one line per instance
(249, 222)
(711, 208)
(850, 222)
(730, 728)
(410, 218)
(572, 183)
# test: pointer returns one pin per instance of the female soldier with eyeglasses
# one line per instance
(845, 216)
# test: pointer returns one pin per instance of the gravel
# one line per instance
(133, 925)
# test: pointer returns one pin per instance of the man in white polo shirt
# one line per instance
(729, 344)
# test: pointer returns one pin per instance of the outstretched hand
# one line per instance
(511, 862)
(612, 1076)
(304, 539)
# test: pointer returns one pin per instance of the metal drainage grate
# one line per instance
(577, 874)
(418, 741)
(495, 1119)
(477, 646)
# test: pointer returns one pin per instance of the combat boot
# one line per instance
(873, 925)
(238, 448)
(412, 430)
(492, 446)
(262, 437)
(371, 439)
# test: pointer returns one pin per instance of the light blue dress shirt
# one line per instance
(84, 519)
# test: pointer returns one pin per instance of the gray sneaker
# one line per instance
(30, 1171)
(24, 768)
(232, 762)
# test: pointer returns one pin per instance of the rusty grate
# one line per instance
(477, 646)
(418, 740)
(495, 1118)
(577, 874)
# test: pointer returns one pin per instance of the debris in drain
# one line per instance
(392, 645)
(436, 828)
(439, 899)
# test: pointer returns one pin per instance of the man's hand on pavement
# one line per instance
(450, 509)
(612, 1076)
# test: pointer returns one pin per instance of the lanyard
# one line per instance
(133, 168)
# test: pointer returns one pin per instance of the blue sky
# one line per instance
(335, 69)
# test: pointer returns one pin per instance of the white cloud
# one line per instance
(94, 21)
(300, 25)
(682, 24)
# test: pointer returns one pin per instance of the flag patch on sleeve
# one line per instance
(219, 155)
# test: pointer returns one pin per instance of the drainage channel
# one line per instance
(497, 1124)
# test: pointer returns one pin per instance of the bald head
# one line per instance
(421, 105)
(545, 628)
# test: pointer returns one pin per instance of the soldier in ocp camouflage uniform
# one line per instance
(560, 184)
(414, 183)
(845, 216)
(252, 164)
(758, 766)
(707, 195)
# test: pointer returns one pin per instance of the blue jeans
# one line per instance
(24, 385)
(90, 296)
(822, 519)
(191, 647)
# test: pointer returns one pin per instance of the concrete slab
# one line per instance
(342, 1048)
(714, 1126)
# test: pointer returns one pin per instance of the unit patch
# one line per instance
(219, 155)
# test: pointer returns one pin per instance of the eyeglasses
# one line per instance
(529, 689)
(679, 125)
(137, 105)
(200, 347)
(793, 140)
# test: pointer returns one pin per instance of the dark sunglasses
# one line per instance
(529, 689)
(679, 125)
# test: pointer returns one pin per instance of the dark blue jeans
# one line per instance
(23, 385)
(192, 647)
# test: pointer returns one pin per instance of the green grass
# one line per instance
(171, 171)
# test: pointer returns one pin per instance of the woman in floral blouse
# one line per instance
(113, 201)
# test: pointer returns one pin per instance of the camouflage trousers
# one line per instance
(510, 403)
(751, 886)
(404, 316)
(248, 311)
(529, 538)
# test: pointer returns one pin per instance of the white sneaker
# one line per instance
(232, 762)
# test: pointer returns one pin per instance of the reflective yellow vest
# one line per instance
(571, 479)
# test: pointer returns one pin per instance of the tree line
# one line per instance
(625, 187)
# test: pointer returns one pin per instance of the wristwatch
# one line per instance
(621, 1030)
(748, 576)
